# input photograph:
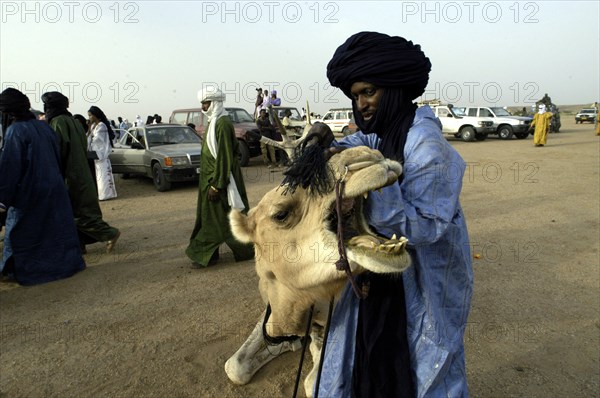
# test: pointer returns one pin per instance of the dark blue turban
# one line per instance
(15, 107)
(393, 64)
(55, 104)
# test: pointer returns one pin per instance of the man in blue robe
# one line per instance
(41, 243)
(406, 338)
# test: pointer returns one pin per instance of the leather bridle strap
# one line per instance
(304, 344)
(342, 264)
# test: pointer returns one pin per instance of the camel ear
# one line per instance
(241, 226)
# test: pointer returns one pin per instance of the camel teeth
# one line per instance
(394, 237)
(365, 195)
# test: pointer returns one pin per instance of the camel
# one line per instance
(296, 243)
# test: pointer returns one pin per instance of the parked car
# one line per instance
(505, 124)
(338, 120)
(166, 153)
(586, 115)
(243, 122)
(296, 122)
(351, 128)
(461, 126)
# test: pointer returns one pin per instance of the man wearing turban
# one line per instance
(78, 177)
(40, 244)
(541, 125)
(221, 186)
(406, 338)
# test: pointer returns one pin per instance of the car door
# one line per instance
(128, 154)
(445, 116)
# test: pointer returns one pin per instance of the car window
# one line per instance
(472, 112)
(459, 111)
(485, 113)
(501, 112)
(195, 118)
(179, 118)
(340, 115)
(242, 116)
(443, 111)
(328, 116)
(171, 136)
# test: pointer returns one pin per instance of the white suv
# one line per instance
(338, 120)
(505, 124)
(461, 126)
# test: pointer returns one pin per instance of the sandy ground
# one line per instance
(141, 323)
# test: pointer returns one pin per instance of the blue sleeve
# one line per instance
(431, 189)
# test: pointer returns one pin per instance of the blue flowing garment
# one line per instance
(41, 239)
(438, 285)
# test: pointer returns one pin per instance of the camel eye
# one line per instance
(281, 215)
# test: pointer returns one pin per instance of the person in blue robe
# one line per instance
(405, 339)
(41, 243)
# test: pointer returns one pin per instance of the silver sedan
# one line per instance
(164, 152)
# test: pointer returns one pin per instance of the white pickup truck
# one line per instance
(505, 124)
(461, 126)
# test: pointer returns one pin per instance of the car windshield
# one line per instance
(239, 115)
(500, 111)
(170, 135)
(587, 111)
(295, 114)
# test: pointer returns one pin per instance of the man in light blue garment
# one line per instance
(406, 337)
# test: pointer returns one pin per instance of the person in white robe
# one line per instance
(100, 143)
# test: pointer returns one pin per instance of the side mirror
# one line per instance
(448, 115)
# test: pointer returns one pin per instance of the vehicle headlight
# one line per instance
(177, 161)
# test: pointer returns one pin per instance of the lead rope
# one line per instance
(304, 344)
(342, 264)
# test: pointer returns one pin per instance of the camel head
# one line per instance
(296, 243)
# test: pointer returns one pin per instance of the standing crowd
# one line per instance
(48, 194)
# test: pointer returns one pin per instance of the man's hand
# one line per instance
(321, 134)
(213, 194)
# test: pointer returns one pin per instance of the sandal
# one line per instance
(110, 245)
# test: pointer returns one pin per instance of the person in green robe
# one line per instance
(221, 186)
(78, 177)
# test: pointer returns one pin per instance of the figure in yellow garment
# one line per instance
(541, 122)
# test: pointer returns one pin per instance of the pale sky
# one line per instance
(147, 57)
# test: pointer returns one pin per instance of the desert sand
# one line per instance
(141, 323)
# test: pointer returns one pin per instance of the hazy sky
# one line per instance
(147, 57)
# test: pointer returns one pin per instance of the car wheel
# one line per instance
(505, 132)
(521, 135)
(345, 131)
(244, 157)
(467, 134)
(160, 182)
(481, 137)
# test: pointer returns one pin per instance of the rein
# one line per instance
(342, 264)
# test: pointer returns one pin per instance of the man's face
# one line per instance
(205, 105)
(367, 97)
